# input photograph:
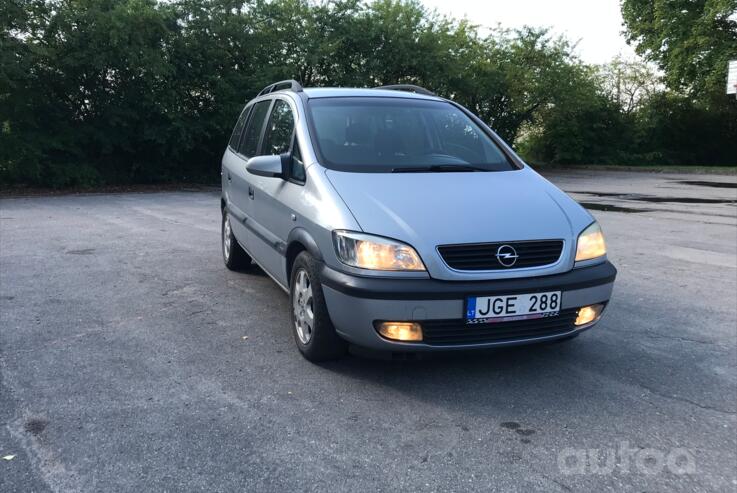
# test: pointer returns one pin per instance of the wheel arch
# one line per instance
(299, 240)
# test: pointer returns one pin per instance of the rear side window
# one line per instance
(238, 130)
(249, 144)
(278, 136)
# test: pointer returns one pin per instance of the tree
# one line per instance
(123, 91)
(691, 40)
(629, 83)
(582, 125)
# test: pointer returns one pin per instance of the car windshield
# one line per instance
(389, 134)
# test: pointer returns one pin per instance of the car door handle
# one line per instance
(229, 177)
(250, 192)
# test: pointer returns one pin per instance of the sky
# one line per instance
(595, 24)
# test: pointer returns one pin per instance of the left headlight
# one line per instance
(374, 252)
(590, 243)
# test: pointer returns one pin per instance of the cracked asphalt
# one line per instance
(132, 360)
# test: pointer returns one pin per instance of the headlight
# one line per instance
(374, 252)
(590, 243)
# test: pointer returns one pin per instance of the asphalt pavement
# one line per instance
(132, 360)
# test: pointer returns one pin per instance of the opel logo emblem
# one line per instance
(506, 255)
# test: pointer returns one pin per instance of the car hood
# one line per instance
(431, 209)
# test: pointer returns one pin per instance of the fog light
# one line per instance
(588, 314)
(400, 331)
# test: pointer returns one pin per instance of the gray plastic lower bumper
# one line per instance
(353, 311)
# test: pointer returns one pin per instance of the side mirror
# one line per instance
(270, 166)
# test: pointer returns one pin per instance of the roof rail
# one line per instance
(408, 88)
(290, 84)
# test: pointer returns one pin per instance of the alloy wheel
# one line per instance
(302, 304)
(226, 237)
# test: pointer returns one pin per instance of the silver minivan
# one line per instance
(397, 220)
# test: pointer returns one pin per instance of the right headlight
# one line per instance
(375, 252)
(590, 243)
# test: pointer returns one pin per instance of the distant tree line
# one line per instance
(146, 91)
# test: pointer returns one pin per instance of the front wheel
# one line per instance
(313, 331)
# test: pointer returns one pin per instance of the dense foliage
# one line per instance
(123, 91)
(692, 40)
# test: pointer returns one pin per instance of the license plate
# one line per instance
(490, 309)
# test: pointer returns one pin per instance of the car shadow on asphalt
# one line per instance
(557, 377)
(497, 359)
(465, 377)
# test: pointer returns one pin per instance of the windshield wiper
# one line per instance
(438, 168)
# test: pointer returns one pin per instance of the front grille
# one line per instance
(483, 256)
(450, 332)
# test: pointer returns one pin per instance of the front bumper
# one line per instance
(355, 302)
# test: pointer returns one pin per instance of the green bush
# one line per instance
(99, 92)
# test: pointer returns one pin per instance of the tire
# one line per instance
(313, 331)
(234, 257)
